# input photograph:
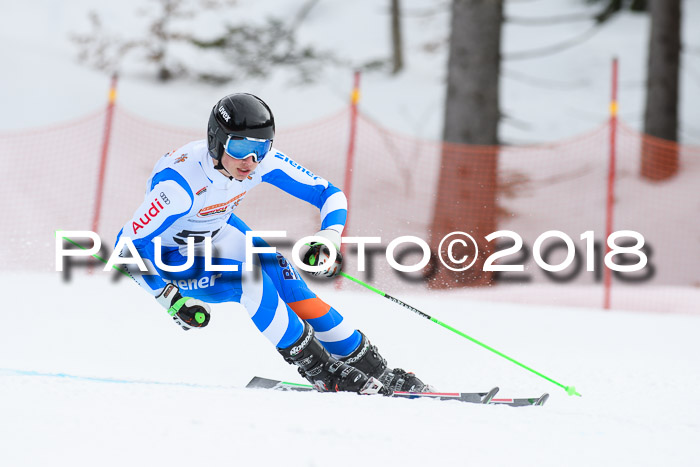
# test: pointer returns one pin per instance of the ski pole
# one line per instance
(94, 256)
(570, 390)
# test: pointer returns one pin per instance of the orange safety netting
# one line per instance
(401, 186)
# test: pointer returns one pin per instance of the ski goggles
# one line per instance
(240, 147)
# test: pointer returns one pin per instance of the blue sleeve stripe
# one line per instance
(313, 194)
(337, 217)
(119, 236)
(331, 190)
(235, 221)
(174, 175)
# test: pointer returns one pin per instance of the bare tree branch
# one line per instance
(549, 84)
(550, 20)
(553, 49)
(437, 9)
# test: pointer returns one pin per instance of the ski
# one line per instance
(471, 397)
(521, 402)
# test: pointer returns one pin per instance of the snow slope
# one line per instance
(636, 372)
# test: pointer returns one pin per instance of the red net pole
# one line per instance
(349, 161)
(611, 184)
(105, 148)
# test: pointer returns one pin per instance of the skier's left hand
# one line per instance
(318, 254)
(187, 312)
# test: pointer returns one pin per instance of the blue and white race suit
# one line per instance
(187, 197)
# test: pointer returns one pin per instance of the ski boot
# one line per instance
(325, 373)
(367, 359)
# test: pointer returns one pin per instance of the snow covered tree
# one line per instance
(170, 44)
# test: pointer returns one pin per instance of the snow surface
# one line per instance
(102, 377)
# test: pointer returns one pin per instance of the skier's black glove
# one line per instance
(319, 254)
(187, 312)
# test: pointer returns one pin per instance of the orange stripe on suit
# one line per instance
(310, 308)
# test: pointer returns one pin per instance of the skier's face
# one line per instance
(238, 168)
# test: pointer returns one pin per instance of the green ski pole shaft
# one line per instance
(571, 390)
(94, 256)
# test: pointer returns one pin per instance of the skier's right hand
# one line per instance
(318, 254)
(187, 312)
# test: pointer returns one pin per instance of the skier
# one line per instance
(192, 193)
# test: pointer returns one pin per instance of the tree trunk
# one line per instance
(661, 113)
(466, 198)
(396, 41)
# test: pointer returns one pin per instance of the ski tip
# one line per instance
(543, 398)
(490, 395)
(262, 383)
(254, 383)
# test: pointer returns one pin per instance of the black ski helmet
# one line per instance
(238, 114)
